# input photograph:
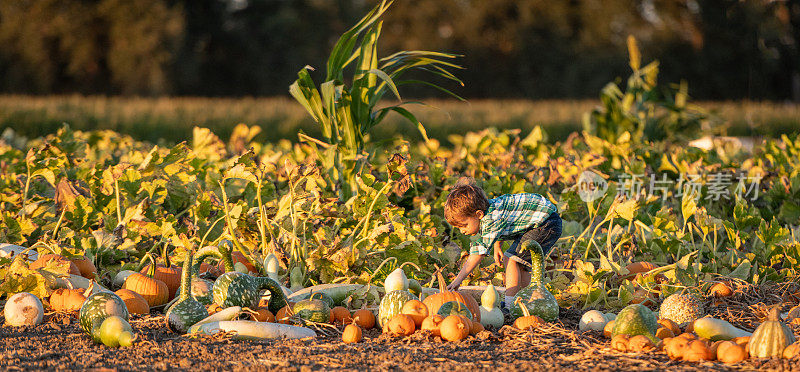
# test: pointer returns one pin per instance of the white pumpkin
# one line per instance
(23, 309)
(491, 315)
(119, 279)
(271, 267)
(396, 281)
(11, 250)
(592, 320)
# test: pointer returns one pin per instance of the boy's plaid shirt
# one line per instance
(510, 215)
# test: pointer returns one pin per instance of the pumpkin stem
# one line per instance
(525, 311)
(442, 286)
(152, 268)
(165, 255)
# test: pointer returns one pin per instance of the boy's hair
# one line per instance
(465, 199)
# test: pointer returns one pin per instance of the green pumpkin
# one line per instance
(391, 304)
(328, 300)
(187, 310)
(771, 337)
(635, 320)
(97, 308)
(535, 297)
(313, 310)
(454, 308)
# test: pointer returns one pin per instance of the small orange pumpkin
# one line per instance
(672, 326)
(620, 342)
(67, 299)
(792, 351)
(135, 303)
(284, 314)
(638, 268)
(476, 328)
(697, 351)
(417, 310)
(341, 315)
(401, 325)
(454, 328)
(154, 291)
(435, 301)
(263, 315)
(720, 289)
(351, 334)
(663, 333)
(432, 324)
(42, 261)
(364, 318)
(607, 330)
(639, 343)
(86, 267)
(730, 352)
(527, 320)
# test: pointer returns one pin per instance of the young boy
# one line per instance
(517, 217)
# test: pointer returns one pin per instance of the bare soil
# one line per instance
(59, 344)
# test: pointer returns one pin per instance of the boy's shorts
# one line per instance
(546, 235)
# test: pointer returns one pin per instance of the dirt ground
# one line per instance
(59, 344)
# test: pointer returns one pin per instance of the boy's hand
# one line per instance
(454, 285)
(498, 253)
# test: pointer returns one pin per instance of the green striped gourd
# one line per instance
(391, 304)
(313, 310)
(535, 297)
(239, 289)
(454, 308)
(187, 310)
(636, 319)
(97, 308)
(322, 296)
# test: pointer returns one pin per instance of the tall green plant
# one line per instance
(347, 112)
(644, 109)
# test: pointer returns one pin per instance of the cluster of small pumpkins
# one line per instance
(772, 338)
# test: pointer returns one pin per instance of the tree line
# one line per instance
(725, 49)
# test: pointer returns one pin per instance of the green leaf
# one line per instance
(742, 271)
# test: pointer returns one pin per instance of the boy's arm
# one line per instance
(470, 263)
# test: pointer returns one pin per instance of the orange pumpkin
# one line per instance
(672, 326)
(42, 261)
(432, 324)
(620, 342)
(720, 289)
(154, 291)
(135, 302)
(476, 328)
(171, 276)
(435, 301)
(638, 268)
(730, 352)
(697, 351)
(264, 315)
(86, 267)
(527, 320)
(67, 299)
(351, 334)
(454, 328)
(417, 310)
(284, 314)
(341, 315)
(364, 318)
(400, 325)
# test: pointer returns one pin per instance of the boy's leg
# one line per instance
(517, 277)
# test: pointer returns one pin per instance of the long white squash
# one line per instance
(225, 314)
(250, 330)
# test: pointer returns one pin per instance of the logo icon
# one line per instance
(591, 186)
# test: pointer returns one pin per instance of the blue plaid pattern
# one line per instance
(510, 215)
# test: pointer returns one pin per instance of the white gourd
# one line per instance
(491, 315)
(592, 320)
(271, 267)
(396, 281)
(23, 309)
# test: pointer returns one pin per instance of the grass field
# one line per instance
(171, 119)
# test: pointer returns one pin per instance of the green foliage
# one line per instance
(643, 110)
(347, 113)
